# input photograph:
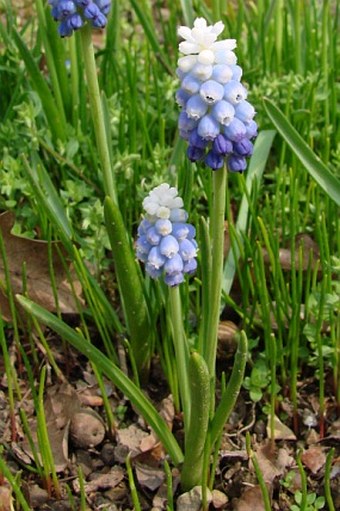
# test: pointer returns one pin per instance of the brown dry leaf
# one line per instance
(106, 481)
(272, 462)
(281, 431)
(149, 477)
(251, 499)
(314, 458)
(129, 441)
(34, 253)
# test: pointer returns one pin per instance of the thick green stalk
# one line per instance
(196, 433)
(97, 111)
(217, 242)
(181, 351)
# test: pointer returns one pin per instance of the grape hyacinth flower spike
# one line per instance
(72, 14)
(216, 118)
(166, 242)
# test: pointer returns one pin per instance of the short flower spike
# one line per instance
(216, 119)
(72, 14)
(166, 242)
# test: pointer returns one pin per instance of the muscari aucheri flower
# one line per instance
(166, 242)
(72, 14)
(216, 118)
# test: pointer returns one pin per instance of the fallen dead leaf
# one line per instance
(272, 461)
(281, 431)
(149, 477)
(251, 499)
(192, 500)
(314, 458)
(129, 442)
(106, 481)
(34, 254)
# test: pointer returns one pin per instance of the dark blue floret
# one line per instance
(195, 153)
(197, 141)
(244, 147)
(73, 14)
(222, 145)
(237, 163)
(214, 160)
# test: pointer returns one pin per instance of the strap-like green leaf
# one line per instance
(130, 286)
(103, 363)
(317, 169)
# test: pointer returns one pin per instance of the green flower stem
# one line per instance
(181, 351)
(196, 432)
(97, 111)
(217, 242)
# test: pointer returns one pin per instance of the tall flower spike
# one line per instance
(72, 14)
(216, 119)
(166, 243)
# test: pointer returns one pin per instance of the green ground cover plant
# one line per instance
(91, 139)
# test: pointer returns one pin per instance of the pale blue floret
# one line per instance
(202, 71)
(222, 73)
(191, 84)
(178, 215)
(245, 111)
(152, 271)
(208, 127)
(143, 227)
(169, 246)
(152, 236)
(234, 92)
(174, 280)
(196, 107)
(236, 130)
(163, 226)
(143, 245)
(211, 92)
(190, 266)
(187, 250)
(155, 258)
(223, 112)
(182, 97)
(237, 72)
(180, 230)
(174, 265)
(185, 122)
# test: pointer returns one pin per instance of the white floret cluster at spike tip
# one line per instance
(216, 118)
(166, 242)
